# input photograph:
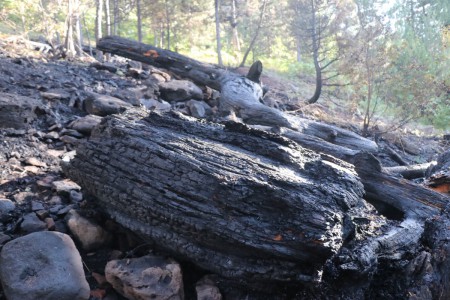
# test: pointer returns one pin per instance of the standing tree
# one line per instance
(139, 20)
(72, 41)
(218, 39)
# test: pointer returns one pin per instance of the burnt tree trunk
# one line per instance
(239, 94)
(236, 201)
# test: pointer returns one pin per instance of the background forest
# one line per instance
(383, 58)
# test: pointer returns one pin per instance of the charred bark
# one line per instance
(240, 202)
(239, 94)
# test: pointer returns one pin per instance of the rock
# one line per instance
(32, 169)
(50, 223)
(55, 200)
(67, 139)
(134, 64)
(64, 210)
(45, 182)
(72, 132)
(199, 109)
(33, 161)
(63, 187)
(85, 124)
(90, 235)
(75, 196)
(207, 289)
(31, 223)
(6, 208)
(4, 238)
(52, 135)
(103, 105)
(130, 95)
(147, 277)
(55, 95)
(104, 66)
(179, 90)
(42, 214)
(22, 197)
(159, 75)
(18, 111)
(153, 104)
(42, 265)
(68, 156)
(35, 206)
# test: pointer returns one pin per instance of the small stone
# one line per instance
(91, 235)
(50, 224)
(21, 197)
(42, 214)
(55, 209)
(55, 200)
(4, 238)
(103, 105)
(55, 153)
(54, 95)
(32, 161)
(53, 135)
(16, 154)
(207, 289)
(69, 156)
(42, 265)
(75, 196)
(147, 277)
(31, 223)
(153, 104)
(85, 124)
(45, 182)
(63, 211)
(32, 169)
(35, 206)
(72, 132)
(180, 90)
(67, 139)
(63, 187)
(199, 109)
(6, 208)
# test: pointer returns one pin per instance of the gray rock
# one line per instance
(90, 235)
(53, 135)
(103, 105)
(76, 196)
(67, 139)
(4, 238)
(147, 277)
(179, 90)
(63, 187)
(85, 124)
(31, 223)
(199, 109)
(130, 95)
(35, 206)
(153, 104)
(18, 111)
(42, 265)
(33, 161)
(6, 208)
(207, 289)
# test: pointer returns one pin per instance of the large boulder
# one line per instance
(147, 277)
(42, 265)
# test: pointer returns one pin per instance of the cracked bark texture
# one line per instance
(236, 201)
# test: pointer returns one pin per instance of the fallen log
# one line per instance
(411, 171)
(438, 175)
(239, 94)
(239, 202)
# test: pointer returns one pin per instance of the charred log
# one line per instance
(236, 201)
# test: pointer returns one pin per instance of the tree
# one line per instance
(73, 33)
(255, 35)
(139, 20)
(314, 21)
(218, 38)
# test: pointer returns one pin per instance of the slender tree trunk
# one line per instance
(116, 17)
(218, 40)
(88, 36)
(139, 20)
(234, 23)
(108, 18)
(69, 43)
(98, 20)
(78, 29)
(168, 25)
(255, 37)
(315, 37)
(299, 49)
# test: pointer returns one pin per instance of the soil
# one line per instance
(31, 74)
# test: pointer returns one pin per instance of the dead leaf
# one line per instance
(278, 238)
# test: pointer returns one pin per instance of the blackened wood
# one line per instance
(239, 202)
(409, 172)
(411, 199)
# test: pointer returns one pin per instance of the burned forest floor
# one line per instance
(60, 101)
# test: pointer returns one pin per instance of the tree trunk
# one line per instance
(315, 38)
(98, 20)
(255, 36)
(168, 23)
(218, 38)
(116, 18)
(242, 204)
(234, 23)
(238, 94)
(259, 209)
(139, 20)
